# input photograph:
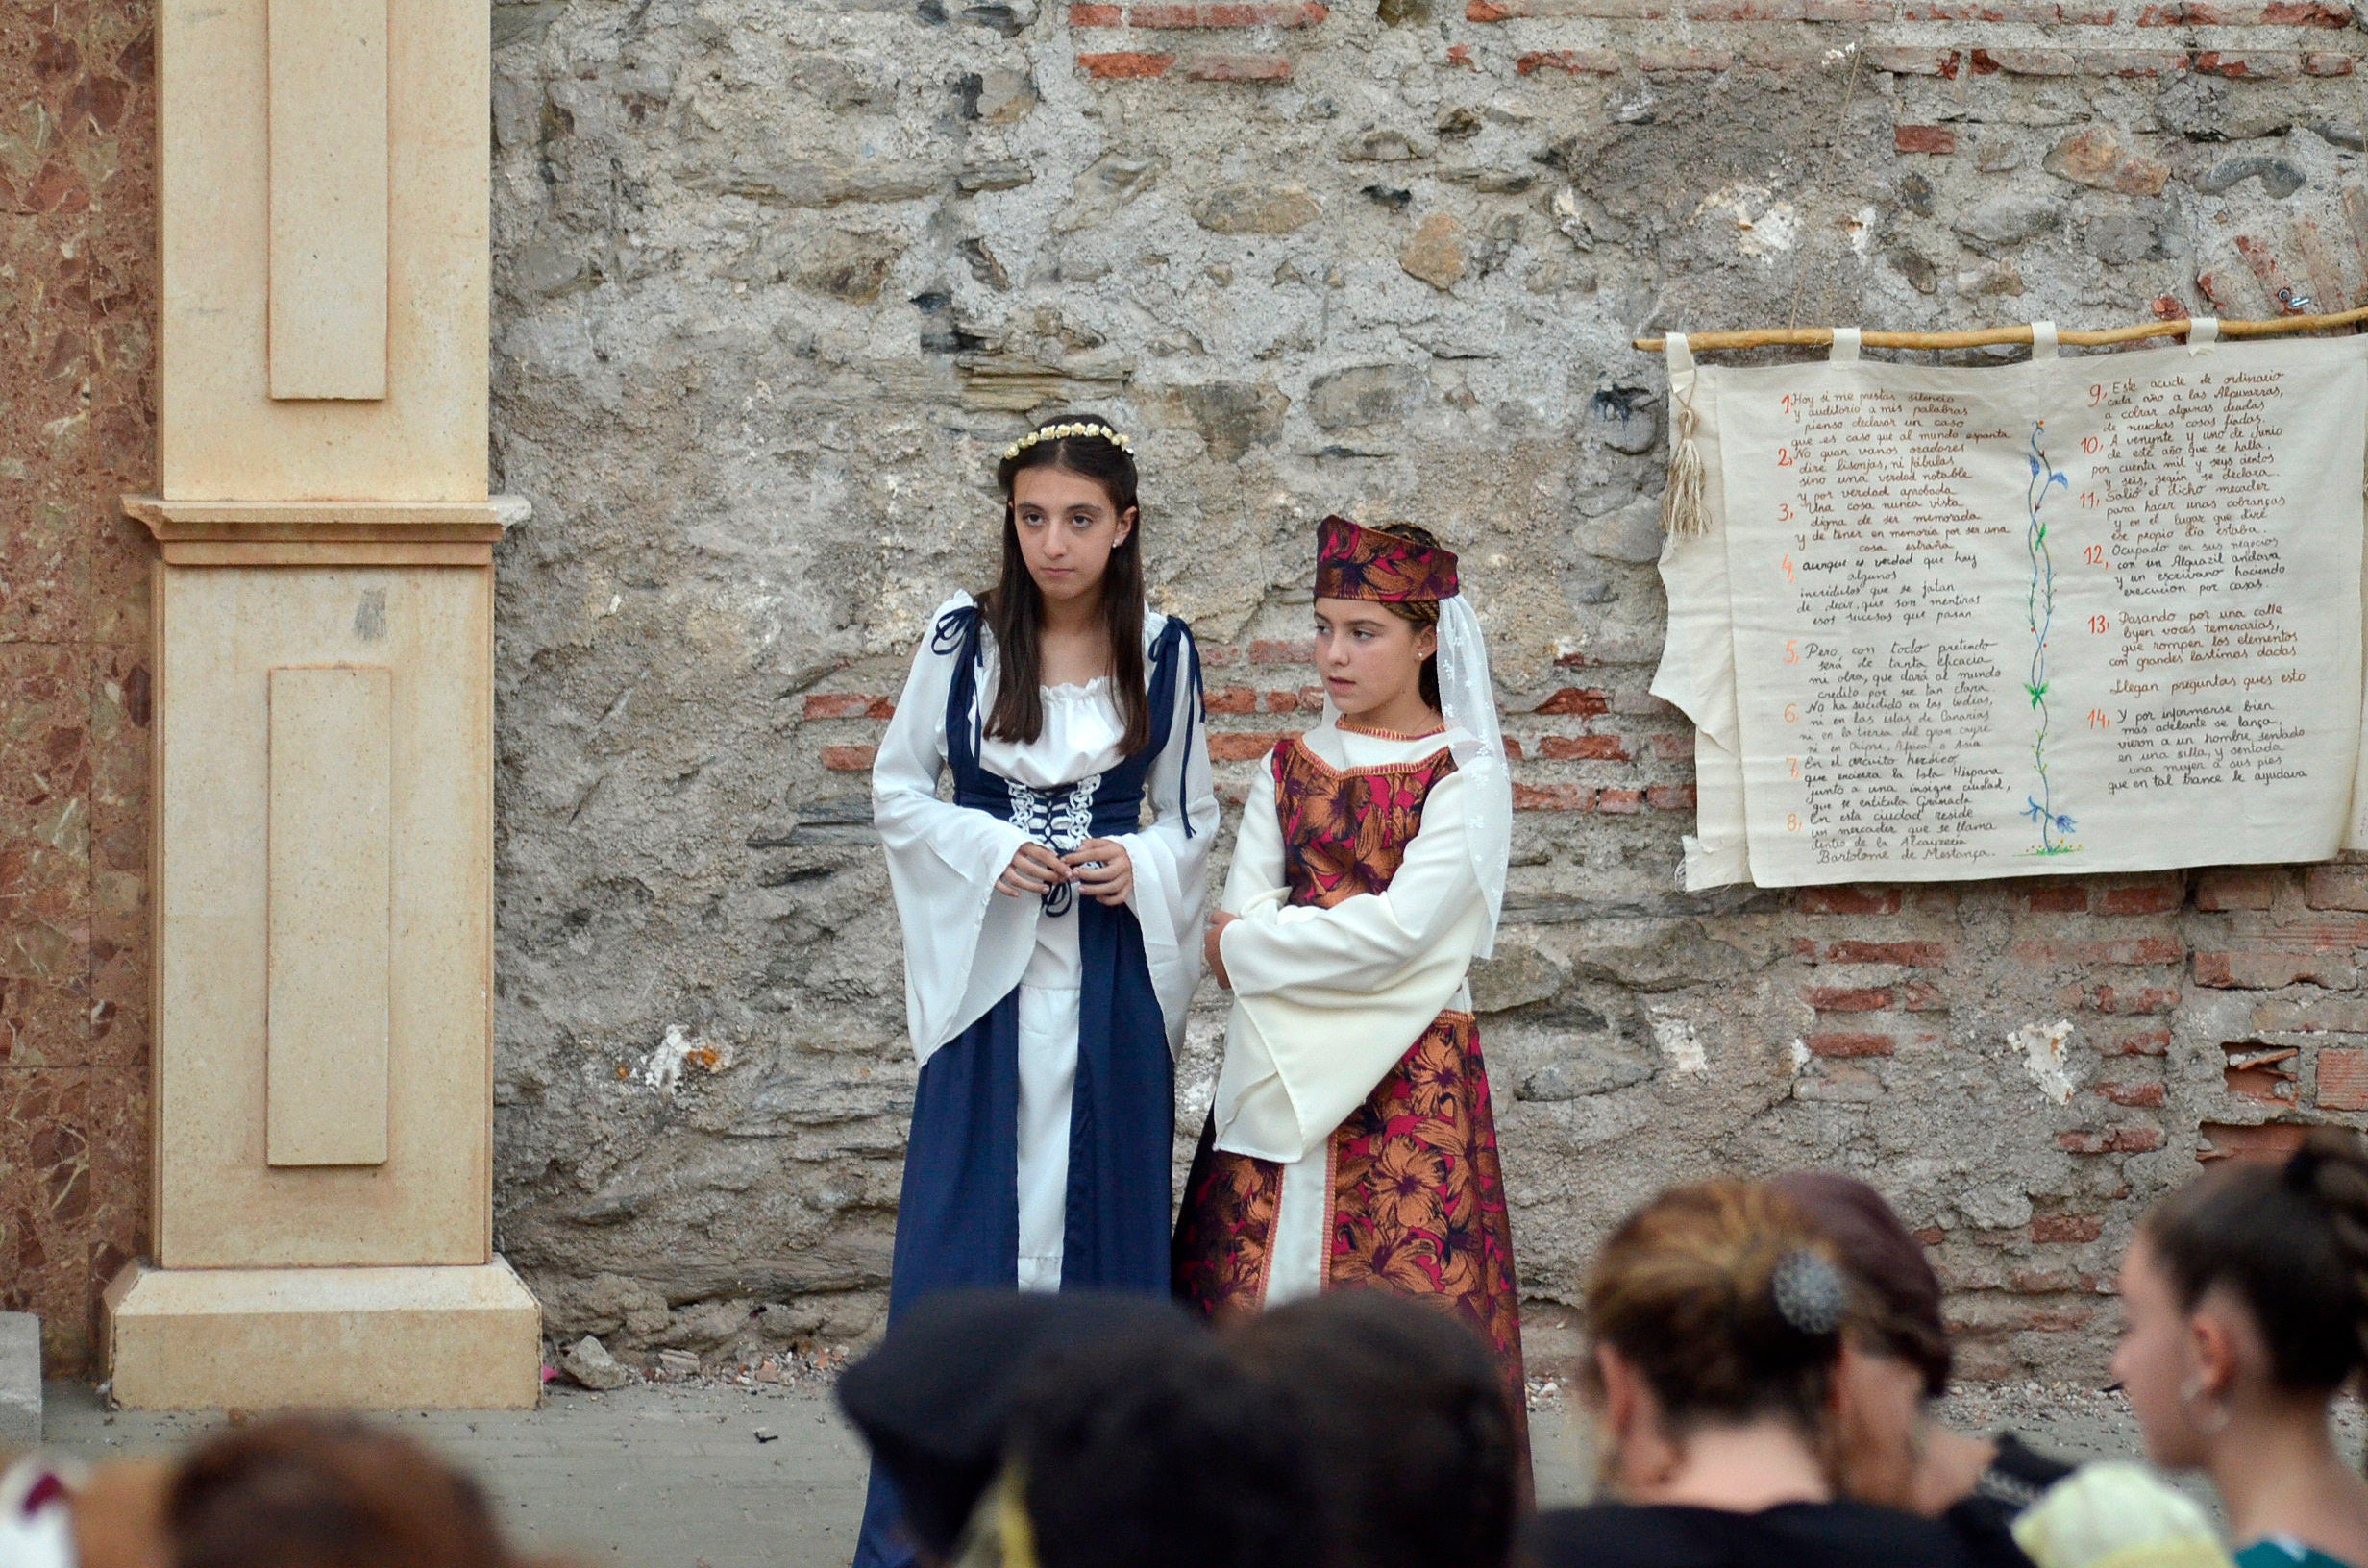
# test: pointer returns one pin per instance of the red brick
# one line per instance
(1242, 745)
(1219, 655)
(2320, 63)
(2054, 1319)
(2132, 63)
(2055, 897)
(2049, 1282)
(2149, 1096)
(2269, 1140)
(1670, 748)
(2071, 1227)
(1620, 803)
(2233, 888)
(1670, 796)
(2110, 1141)
(1848, 11)
(1172, 16)
(1848, 1042)
(1912, 954)
(849, 759)
(1922, 996)
(1847, 998)
(2250, 65)
(2258, 1072)
(1460, 54)
(1745, 11)
(836, 704)
(1578, 699)
(1551, 798)
(2336, 887)
(1914, 61)
(1513, 749)
(1571, 62)
(2122, 1000)
(1230, 699)
(1931, 1236)
(1938, 140)
(1583, 748)
(1238, 69)
(2024, 61)
(2145, 1042)
(2141, 898)
(1285, 702)
(2343, 1079)
(2135, 950)
(2306, 14)
(1847, 900)
(1096, 15)
(1266, 650)
(2254, 970)
(1125, 65)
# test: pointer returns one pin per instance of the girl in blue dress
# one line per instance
(1052, 935)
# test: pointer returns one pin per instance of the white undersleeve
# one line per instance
(1295, 1267)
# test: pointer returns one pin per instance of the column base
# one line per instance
(355, 1339)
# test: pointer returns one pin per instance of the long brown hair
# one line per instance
(1014, 607)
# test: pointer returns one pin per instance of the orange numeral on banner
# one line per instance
(2089, 444)
(1792, 650)
(2088, 498)
(1792, 821)
(2100, 623)
(2098, 720)
(2096, 554)
(1790, 575)
(1783, 456)
(1793, 713)
(1794, 763)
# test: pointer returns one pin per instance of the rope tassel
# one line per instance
(1685, 502)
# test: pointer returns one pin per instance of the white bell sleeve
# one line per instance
(1172, 862)
(1327, 1000)
(965, 947)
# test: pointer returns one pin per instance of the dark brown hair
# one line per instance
(1014, 608)
(1896, 1283)
(1411, 1427)
(314, 1491)
(1686, 1290)
(1421, 612)
(2290, 1241)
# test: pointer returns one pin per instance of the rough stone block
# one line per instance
(20, 1378)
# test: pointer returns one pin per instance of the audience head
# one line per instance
(937, 1399)
(1895, 1353)
(1158, 1453)
(319, 1491)
(1412, 1435)
(2246, 1292)
(1716, 1305)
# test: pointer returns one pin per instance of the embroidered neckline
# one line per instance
(1347, 728)
(1298, 744)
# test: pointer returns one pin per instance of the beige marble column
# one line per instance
(323, 800)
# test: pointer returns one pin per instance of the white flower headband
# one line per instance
(1056, 433)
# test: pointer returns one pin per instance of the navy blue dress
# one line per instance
(959, 1215)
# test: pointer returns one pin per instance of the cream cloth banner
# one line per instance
(2082, 614)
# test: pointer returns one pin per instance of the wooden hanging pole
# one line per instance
(1809, 337)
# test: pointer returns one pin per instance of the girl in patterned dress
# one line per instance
(1352, 1143)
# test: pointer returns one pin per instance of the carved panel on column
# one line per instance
(327, 130)
(331, 886)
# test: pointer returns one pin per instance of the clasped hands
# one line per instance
(1099, 867)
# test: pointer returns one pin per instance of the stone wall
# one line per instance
(777, 282)
(76, 307)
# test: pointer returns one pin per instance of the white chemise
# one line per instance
(967, 946)
(1327, 1000)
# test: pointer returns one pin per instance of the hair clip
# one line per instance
(1808, 1292)
(1062, 432)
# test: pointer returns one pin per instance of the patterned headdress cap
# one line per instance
(1353, 561)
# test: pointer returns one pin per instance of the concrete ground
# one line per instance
(684, 1475)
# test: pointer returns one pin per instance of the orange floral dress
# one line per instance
(1415, 1195)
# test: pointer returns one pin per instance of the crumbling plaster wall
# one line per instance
(777, 282)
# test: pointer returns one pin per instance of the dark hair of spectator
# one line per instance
(2290, 1241)
(1014, 608)
(313, 1491)
(1899, 1290)
(1413, 1444)
(1163, 1456)
(1687, 1291)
